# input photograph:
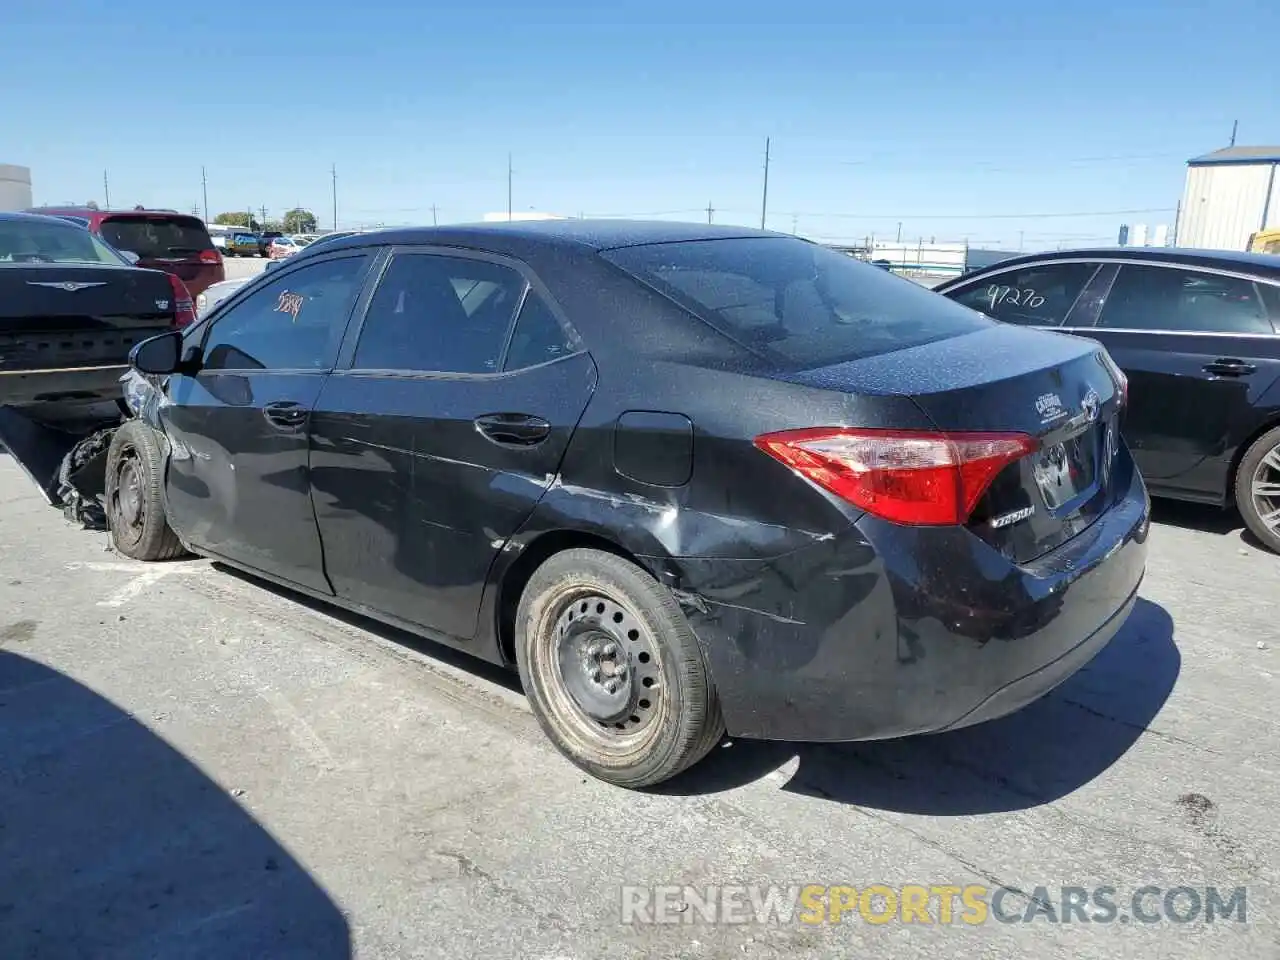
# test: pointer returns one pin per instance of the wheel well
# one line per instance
(534, 555)
(1241, 450)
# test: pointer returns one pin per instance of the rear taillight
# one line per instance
(210, 256)
(184, 311)
(1121, 381)
(908, 477)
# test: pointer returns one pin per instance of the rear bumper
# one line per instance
(69, 385)
(888, 631)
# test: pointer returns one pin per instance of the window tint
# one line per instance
(51, 241)
(157, 236)
(1271, 299)
(1165, 298)
(1040, 295)
(295, 322)
(798, 303)
(539, 336)
(439, 314)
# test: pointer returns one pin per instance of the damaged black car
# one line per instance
(685, 479)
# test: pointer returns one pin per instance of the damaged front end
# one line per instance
(63, 448)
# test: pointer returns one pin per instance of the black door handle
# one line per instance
(514, 429)
(1229, 367)
(286, 414)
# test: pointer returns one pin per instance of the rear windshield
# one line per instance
(38, 241)
(157, 236)
(798, 303)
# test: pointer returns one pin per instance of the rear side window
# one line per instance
(1040, 295)
(157, 236)
(539, 336)
(437, 314)
(1167, 298)
(800, 304)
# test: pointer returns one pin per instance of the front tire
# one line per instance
(1258, 488)
(613, 671)
(135, 505)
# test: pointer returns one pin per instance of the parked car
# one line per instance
(71, 309)
(264, 241)
(242, 245)
(282, 247)
(1196, 333)
(162, 240)
(215, 294)
(684, 478)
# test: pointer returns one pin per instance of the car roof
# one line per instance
(34, 218)
(90, 212)
(581, 234)
(1259, 263)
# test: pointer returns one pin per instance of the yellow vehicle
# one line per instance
(1265, 241)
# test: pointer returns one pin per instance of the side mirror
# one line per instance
(132, 257)
(158, 355)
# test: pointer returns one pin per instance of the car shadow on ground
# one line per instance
(1043, 752)
(481, 669)
(1204, 518)
(112, 843)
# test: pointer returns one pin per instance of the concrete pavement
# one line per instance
(195, 764)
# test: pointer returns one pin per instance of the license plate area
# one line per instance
(1068, 471)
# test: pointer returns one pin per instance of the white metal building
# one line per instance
(1230, 195)
(15, 187)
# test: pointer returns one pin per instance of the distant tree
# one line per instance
(298, 220)
(234, 219)
(92, 205)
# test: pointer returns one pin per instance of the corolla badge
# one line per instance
(70, 286)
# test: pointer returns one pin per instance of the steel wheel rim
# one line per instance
(128, 511)
(622, 721)
(1264, 489)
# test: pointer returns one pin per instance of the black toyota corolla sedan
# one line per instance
(685, 479)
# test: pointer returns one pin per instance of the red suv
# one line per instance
(161, 239)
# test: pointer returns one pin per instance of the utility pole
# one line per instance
(710, 210)
(1234, 125)
(204, 186)
(509, 216)
(106, 192)
(1020, 232)
(899, 240)
(764, 197)
(333, 172)
(264, 218)
(795, 223)
(434, 221)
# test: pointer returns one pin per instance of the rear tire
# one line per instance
(590, 620)
(1258, 488)
(135, 504)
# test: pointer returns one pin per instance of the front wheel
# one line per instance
(135, 505)
(613, 671)
(1258, 488)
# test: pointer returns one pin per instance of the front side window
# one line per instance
(294, 322)
(1039, 295)
(797, 303)
(1170, 298)
(438, 314)
(40, 241)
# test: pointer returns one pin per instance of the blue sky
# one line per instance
(961, 120)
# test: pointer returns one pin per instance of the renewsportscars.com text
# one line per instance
(945, 904)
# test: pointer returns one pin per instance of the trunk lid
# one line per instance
(1053, 387)
(63, 315)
